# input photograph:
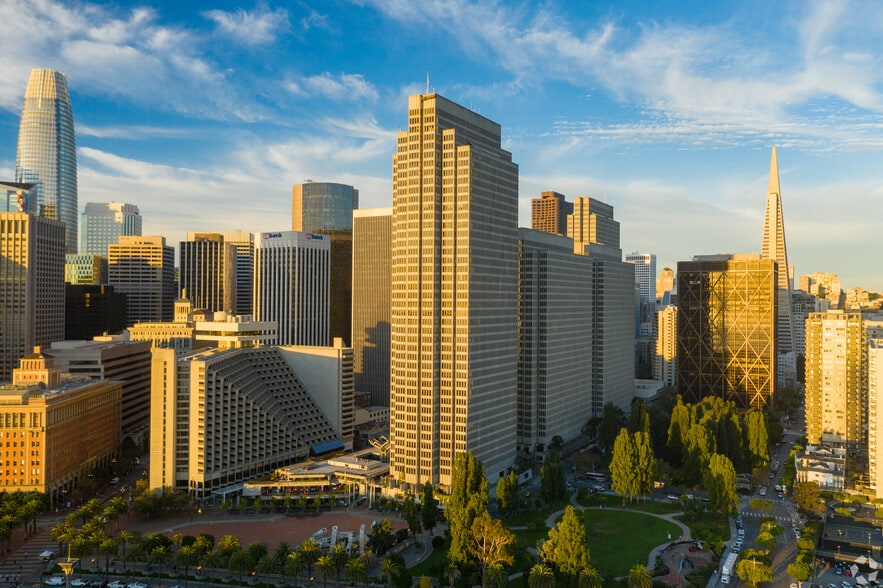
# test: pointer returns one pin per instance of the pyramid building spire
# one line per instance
(773, 247)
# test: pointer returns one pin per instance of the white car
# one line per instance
(55, 581)
(116, 584)
(137, 585)
(79, 582)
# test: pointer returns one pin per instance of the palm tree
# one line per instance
(325, 566)
(108, 548)
(389, 571)
(240, 562)
(541, 576)
(279, 554)
(257, 550)
(355, 571)
(452, 572)
(294, 565)
(339, 556)
(589, 578)
(186, 557)
(159, 557)
(78, 548)
(228, 544)
(310, 551)
(639, 577)
(494, 576)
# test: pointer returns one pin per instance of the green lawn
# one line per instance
(618, 540)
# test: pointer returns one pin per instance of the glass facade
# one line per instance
(47, 151)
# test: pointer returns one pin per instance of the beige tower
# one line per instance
(835, 360)
(454, 303)
(665, 360)
(874, 331)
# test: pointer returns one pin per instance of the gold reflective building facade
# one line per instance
(454, 294)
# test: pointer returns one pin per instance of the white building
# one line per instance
(292, 285)
(104, 223)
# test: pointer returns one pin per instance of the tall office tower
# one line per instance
(111, 358)
(454, 314)
(327, 373)
(372, 240)
(835, 396)
(666, 358)
(773, 247)
(291, 285)
(198, 401)
(70, 425)
(549, 213)
(243, 243)
(91, 310)
(554, 340)
(143, 268)
(665, 284)
(85, 269)
(208, 272)
(645, 312)
(14, 196)
(47, 151)
(875, 415)
(595, 233)
(31, 286)
(327, 208)
(105, 222)
(592, 223)
(825, 286)
(645, 273)
(727, 329)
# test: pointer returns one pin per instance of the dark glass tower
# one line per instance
(47, 151)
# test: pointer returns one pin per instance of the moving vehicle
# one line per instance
(728, 568)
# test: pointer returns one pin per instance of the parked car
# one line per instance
(137, 585)
(79, 582)
(116, 584)
(55, 581)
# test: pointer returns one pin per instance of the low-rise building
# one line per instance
(825, 466)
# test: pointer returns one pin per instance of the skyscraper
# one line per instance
(592, 222)
(47, 151)
(143, 268)
(455, 284)
(773, 247)
(243, 243)
(104, 223)
(372, 239)
(726, 327)
(327, 208)
(291, 285)
(31, 286)
(548, 213)
(645, 274)
(208, 272)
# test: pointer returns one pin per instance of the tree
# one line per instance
(389, 571)
(541, 576)
(411, 515)
(186, 557)
(507, 489)
(639, 418)
(355, 571)
(589, 577)
(760, 504)
(799, 571)
(808, 498)
(677, 429)
(639, 577)
(492, 542)
(428, 508)
(757, 442)
(339, 556)
(240, 562)
(228, 544)
(553, 480)
(720, 485)
(309, 551)
(468, 500)
(294, 565)
(645, 464)
(698, 449)
(612, 420)
(108, 549)
(754, 571)
(566, 547)
(623, 465)
(325, 566)
(766, 541)
(382, 537)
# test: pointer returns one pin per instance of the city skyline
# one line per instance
(668, 113)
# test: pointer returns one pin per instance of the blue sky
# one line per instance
(205, 113)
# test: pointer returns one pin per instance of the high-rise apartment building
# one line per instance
(665, 360)
(803, 303)
(208, 272)
(836, 403)
(372, 242)
(825, 286)
(47, 151)
(549, 213)
(454, 294)
(143, 268)
(875, 415)
(85, 269)
(773, 247)
(104, 223)
(327, 208)
(596, 233)
(291, 285)
(31, 286)
(726, 333)
(219, 418)
(554, 339)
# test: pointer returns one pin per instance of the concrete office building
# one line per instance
(91, 310)
(112, 358)
(208, 272)
(372, 242)
(243, 243)
(454, 325)
(727, 329)
(327, 208)
(595, 233)
(666, 358)
(47, 151)
(31, 286)
(645, 274)
(554, 340)
(291, 285)
(104, 223)
(14, 196)
(57, 427)
(219, 418)
(835, 395)
(143, 268)
(549, 213)
(327, 373)
(226, 331)
(85, 269)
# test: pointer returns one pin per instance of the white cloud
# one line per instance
(334, 87)
(255, 27)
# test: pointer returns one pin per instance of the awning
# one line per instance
(320, 448)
